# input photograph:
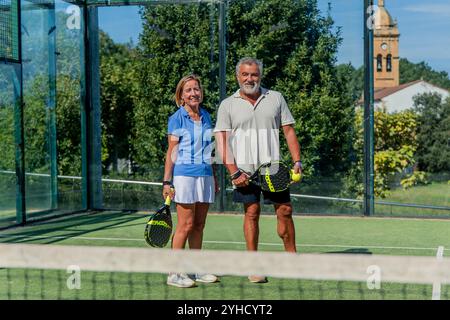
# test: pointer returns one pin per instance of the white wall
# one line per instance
(403, 99)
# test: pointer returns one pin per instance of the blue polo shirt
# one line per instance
(194, 147)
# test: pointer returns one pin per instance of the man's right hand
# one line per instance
(241, 181)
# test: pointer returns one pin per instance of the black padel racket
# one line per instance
(159, 227)
(274, 176)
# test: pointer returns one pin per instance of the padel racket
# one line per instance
(159, 227)
(274, 176)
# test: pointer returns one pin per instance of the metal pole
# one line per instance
(222, 89)
(369, 203)
(20, 144)
(17, 77)
(52, 107)
(91, 114)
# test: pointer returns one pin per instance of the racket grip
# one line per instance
(168, 199)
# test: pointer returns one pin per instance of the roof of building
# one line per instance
(380, 93)
(384, 24)
(383, 18)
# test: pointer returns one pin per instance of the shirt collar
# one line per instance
(186, 114)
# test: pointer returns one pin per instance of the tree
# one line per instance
(353, 80)
(395, 145)
(7, 134)
(7, 139)
(176, 40)
(297, 46)
(414, 71)
(118, 85)
(7, 143)
(68, 113)
(433, 134)
(117, 95)
(409, 71)
(68, 98)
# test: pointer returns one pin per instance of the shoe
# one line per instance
(206, 278)
(180, 280)
(257, 279)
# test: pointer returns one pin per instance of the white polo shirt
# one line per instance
(254, 130)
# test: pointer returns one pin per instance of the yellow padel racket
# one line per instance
(159, 226)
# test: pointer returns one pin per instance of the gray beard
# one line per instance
(250, 91)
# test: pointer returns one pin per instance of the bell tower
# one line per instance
(385, 49)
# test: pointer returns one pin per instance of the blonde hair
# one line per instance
(180, 86)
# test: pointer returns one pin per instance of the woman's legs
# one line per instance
(195, 237)
(191, 222)
(185, 225)
(185, 222)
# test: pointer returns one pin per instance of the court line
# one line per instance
(437, 285)
(329, 245)
(220, 242)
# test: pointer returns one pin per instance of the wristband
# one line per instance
(167, 183)
(236, 175)
(300, 164)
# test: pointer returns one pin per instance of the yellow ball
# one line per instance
(296, 176)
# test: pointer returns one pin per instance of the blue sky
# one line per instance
(424, 28)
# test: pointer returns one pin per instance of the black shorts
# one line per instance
(252, 193)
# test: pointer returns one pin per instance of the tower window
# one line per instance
(379, 63)
(389, 63)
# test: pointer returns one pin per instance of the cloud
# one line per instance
(433, 9)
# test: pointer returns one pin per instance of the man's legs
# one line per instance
(251, 233)
(285, 226)
(250, 197)
(251, 225)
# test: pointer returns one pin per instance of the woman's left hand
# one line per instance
(168, 191)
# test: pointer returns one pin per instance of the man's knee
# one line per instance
(284, 211)
(253, 211)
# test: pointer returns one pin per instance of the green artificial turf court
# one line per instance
(387, 236)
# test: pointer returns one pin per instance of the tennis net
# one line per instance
(30, 271)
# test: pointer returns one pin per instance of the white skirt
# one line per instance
(194, 189)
